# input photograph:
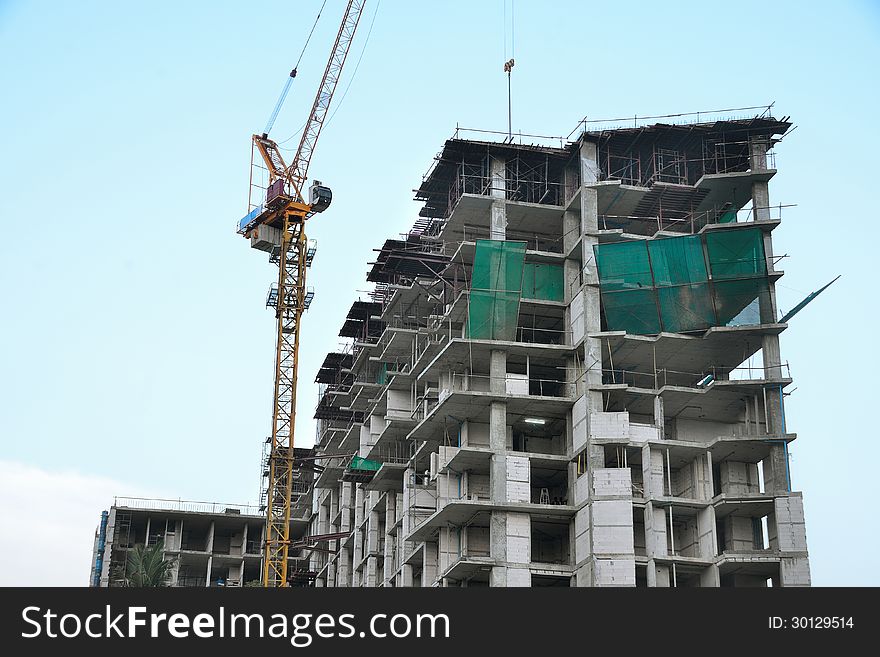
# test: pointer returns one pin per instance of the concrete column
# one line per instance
(659, 416)
(498, 371)
(344, 556)
(589, 162)
(345, 504)
(371, 570)
(776, 478)
(758, 147)
(429, 568)
(510, 547)
(791, 540)
(210, 546)
(612, 528)
(343, 567)
(334, 508)
(498, 426)
(586, 319)
(498, 218)
(588, 301)
(710, 577)
(656, 540)
(706, 531)
(373, 530)
(331, 574)
(406, 577)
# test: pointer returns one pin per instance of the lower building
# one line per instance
(207, 544)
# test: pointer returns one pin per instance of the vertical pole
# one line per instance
(509, 110)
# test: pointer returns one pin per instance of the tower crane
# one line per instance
(277, 226)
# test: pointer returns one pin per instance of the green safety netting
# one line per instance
(677, 261)
(496, 288)
(686, 308)
(623, 266)
(542, 280)
(359, 463)
(736, 253)
(649, 286)
(633, 311)
(743, 303)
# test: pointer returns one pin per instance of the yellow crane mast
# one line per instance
(277, 226)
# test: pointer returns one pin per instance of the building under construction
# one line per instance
(568, 374)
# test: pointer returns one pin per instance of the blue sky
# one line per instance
(135, 348)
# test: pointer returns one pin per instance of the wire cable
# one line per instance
(289, 81)
(309, 38)
(344, 93)
(357, 65)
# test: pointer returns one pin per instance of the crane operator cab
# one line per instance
(319, 196)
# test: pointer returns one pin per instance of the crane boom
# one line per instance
(285, 210)
(299, 168)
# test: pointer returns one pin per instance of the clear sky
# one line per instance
(136, 355)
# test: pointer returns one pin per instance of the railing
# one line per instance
(532, 335)
(400, 322)
(187, 581)
(469, 179)
(163, 504)
(698, 380)
(398, 452)
(685, 118)
(551, 141)
(326, 427)
(534, 241)
(511, 384)
(193, 545)
(692, 223)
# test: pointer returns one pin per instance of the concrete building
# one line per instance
(568, 374)
(209, 544)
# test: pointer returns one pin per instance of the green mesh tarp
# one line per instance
(649, 286)
(677, 261)
(496, 288)
(542, 280)
(623, 266)
(686, 308)
(728, 217)
(628, 294)
(359, 463)
(633, 311)
(680, 275)
(736, 253)
(743, 303)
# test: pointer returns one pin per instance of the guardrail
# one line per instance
(165, 504)
(698, 380)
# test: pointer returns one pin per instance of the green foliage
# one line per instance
(146, 567)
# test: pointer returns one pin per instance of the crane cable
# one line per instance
(504, 24)
(348, 86)
(289, 81)
(509, 63)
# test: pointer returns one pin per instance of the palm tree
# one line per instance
(146, 567)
